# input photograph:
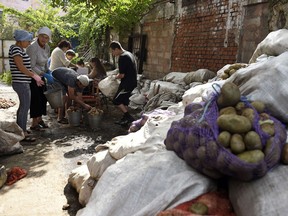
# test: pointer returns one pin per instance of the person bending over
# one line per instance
(72, 85)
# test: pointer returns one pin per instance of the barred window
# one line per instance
(188, 2)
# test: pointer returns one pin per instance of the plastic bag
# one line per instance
(109, 86)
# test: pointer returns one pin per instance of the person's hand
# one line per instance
(48, 77)
(38, 80)
(114, 77)
(87, 107)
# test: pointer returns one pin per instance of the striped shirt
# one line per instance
(17, 75)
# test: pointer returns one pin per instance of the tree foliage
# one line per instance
(93, 18)
(31, 20)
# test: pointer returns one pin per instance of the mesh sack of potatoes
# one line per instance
(250, 149)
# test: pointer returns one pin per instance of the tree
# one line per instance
(31, 20)
(93, 19)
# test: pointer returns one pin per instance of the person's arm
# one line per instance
(19, 63)
(119, 76)
(77, 97)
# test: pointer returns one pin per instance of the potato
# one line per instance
(232, 71)
(268, 128)
(234, 123)
(252, 156)
(224, 139)
(236, 144)
(224, 76)
(252, 141)
(249, 113)
(212, 149)
(258, 105)
(264, 116)
(198, 208)
(201, 153)
(240, 106)
(284, 154)
(229, 95)
(227, 110)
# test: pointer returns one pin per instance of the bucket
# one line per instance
(54, 97)
(94, 121)
(74, 117)
(85, 118)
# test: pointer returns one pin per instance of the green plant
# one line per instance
(6, 77)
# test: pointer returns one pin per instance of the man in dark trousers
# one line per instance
(128, 76)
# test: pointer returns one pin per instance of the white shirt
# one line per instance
(58, 59)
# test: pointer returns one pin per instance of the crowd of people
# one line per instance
(34, 69)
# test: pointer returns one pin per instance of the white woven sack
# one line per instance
(98, 163)
(266, 196)
(109, 86)
(144, 184)
(266, 81)
(274, 44)
(175, 77)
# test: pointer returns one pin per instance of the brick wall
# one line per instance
(206, 36)
(193, 34)
(159, 41)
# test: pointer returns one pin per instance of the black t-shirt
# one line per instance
(127, 66)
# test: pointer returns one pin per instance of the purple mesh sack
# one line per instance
(194, 139)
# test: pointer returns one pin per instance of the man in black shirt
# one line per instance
(128, 75)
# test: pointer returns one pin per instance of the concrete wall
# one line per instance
(189, 35)
(21, 5)
(4, 54)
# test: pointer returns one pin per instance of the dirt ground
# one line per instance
(49, 161)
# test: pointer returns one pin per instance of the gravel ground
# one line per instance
(49, 160)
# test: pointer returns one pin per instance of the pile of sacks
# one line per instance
(136, 175)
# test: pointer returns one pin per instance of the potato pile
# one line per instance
(235, 123)
(5, 104)
(228, 136)
(73, 109)
(231, 70)
(95, 112)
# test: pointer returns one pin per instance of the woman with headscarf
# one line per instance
(20, 67)
(39, 52)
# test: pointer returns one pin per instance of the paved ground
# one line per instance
(49, 160)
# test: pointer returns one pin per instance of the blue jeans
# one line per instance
(24, 95)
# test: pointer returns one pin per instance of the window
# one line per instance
(188, 2)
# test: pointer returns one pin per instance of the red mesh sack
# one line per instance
(217, 202)
(194, 139)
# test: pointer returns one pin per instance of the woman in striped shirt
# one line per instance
(20, 67)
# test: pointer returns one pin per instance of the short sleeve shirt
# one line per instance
(17, 75)
(127, 66)
(67, 77)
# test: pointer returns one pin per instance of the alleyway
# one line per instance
(56, 152)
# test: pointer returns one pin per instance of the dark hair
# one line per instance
(80, 62)
(101, 72)
(115, 45)
(64, 43)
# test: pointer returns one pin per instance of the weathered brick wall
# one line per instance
(194, 34)
(206, 36)
(160, 41)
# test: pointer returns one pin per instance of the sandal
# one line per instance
(29, 139)
(42, 124)
(15, 174)
(36, 128)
